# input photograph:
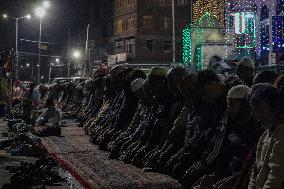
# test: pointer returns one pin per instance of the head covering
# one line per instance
(222, 78)
(204, 77)
(116, 70)
(279, 82)
(99, 73)
(137, 84)
(267, 93)
(178, 70)
(247, 62)
(232, 80)
(239, 92)
(158, 71)
(266, 76)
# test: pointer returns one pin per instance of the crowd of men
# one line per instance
(204, 129)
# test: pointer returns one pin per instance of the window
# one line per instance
(118, 3)
(149, 46)
(119, 47)
(119, 26)
(124, 3)
(249, 26)
(231, 23)
(280, 7)
(130, 2)
(130, 46)
(183, 2)
(264, 13)
(165, 2)
(165, 22)
(148, 21)
(241, 40)
(147, 2)
(167, 46)
(168, 2)
(264, 30)
(244, 23)
(130, 24)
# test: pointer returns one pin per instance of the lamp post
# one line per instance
(40, 12)
(49, 74)
(174, 31)
(17, 36)
(57, 61)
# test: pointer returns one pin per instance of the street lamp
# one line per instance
(17, 35)
(40, 12)
(57, 60)
(76, 54)
(46, 4)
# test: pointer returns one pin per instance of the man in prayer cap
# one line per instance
(230, 146)
(245, 71)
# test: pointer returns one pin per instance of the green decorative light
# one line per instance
(210, 20)
(187, 45)
(199, 65)
(205, 21)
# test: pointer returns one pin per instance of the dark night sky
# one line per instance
(63, 16)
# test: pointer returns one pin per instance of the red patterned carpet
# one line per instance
(92, 168)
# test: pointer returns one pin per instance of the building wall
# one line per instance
(152, 26)
(264, 51)
(207, 51)
(264, 55)
(213, 43)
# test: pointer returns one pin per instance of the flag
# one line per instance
(6, 61)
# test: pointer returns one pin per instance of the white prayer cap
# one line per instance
(239, 92)
(137, 84)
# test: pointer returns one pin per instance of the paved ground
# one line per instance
(6, 160)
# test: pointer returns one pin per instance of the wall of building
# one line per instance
(210, 50)
(152, 25)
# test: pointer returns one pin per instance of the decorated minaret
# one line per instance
(241, 26)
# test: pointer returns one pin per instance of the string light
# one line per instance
(278, 33)
(187, 45)
(215, 7)
(247, 26)
(241, 25)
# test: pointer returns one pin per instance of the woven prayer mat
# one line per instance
(72, 131)
(69, 123)
(95, 170)
(38, 128)
(65, 131)
(68, 144)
